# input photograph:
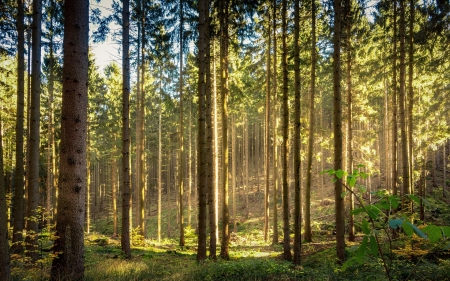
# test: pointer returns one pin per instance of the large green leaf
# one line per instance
(419, 232)
(373, 245)
(365, 227)
(373, 212)
(362, 250)
(340, 174)
(395, 223)
(446, 231)
(433, 232)
(358, 211)
(407, 227)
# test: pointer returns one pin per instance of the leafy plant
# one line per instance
(381, 218)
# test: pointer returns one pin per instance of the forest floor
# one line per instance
(250, 257)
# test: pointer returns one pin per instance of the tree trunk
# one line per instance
(69, 244)
(159, 162)
(33, 161)
(267, 139)
(274, 117)
(203, 53)
(402, 101)
(223, 18)
(5, 263)
(411, 96)
(246, 163)
(216, 148)
(337, 109)
(17, 246)
(394, 105)
(126, 142)
(349, 17)
(181, 171)
(297, 159)
(233, 169)
(286, 229)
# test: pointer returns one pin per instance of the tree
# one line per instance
(19, 171)
(126, 181)
(223, 19)
(337, 109)
(286, 230)
(267, 136)
(203, 64)
(69, 244)
(5, 264)
(182, 165)
(33, 161)
(297, 182)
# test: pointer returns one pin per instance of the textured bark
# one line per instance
(233, 169)
(203, 52)
(19, 170)
(284, 148)
(274, 118)
(246, 164)
(126, 138)
(223, 18)
(394, 105)
(267, 140)
(5, 263)
(159, 161)
(337, 114)
(402, 102)
(308, 232)
(114, 179)
(33, 160)
(69, 245)
(297, 159)
(349, 168)
(181, 170)
(216, 147)
(411, 95)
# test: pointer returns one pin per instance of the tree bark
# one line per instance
(17, 246)
(69, 244)
(337, 112)
(286, 226)
(267, 138)
(223, 18)
(203, 53)
(297, 127)
(33, 161)
(126, 141)
(394, 105)
(5, 263)
(274, 117)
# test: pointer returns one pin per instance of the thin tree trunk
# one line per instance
(233, 169)
(286, 230)
(297, 159)
(223, 18)
(33, 162)
(351, 224)
(159, 161)
(246, 163)
(181, 171)
(126, 142)
(5, 263)
(394, 105)
(411, 96)
(17, 246)
(114, 193)
(337, 109)
(274, 118)
(402, 101)
(267, 138)
(216, 148)
(444, 170)
(203, 53)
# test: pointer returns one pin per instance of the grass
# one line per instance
(251, 257)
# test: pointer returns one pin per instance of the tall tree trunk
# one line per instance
(223, 18)
(274, 117)
(181, 171)
(114, 185)
(69, 244)
(33, 162)
(17, 246)
(246, 163)
(159, 160)
(411, 95)
(5, 263)
(203, 53)
(88, 183)
(233, 169)
(394, 105)
(286, 229)
(351, 224)
(337, 109)
(297, 159)
(267, 137)
(308, 232)
(126, 142)
(402, 101)
(216, 149)
(210, 159)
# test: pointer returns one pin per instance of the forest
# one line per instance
(225, 140)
